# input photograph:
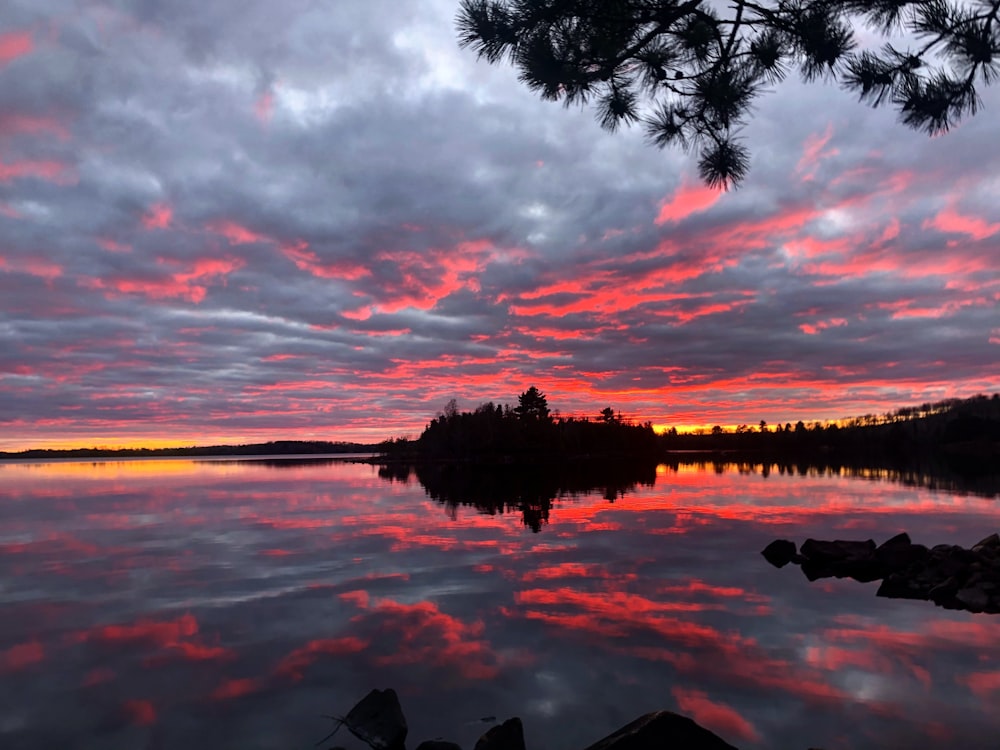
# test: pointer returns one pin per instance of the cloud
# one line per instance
(15, 44)
(331, 229)
(716, 716)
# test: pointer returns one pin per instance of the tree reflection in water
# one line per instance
(528, 490)
(531, 490)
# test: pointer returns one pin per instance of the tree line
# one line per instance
(529, 433)
(967, 428)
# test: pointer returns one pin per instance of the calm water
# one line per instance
(182, 604)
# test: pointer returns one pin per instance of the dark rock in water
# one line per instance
(662, 730)
(860, 570)
(378, 720)
(944, 591)
(899, 553)
(974, 599)
(438, 745)
(990, 546)
(946, 574)
(837, 550)
(840, 559)
(902, 539)
(506, 736)
(779, 553)
(898, 586)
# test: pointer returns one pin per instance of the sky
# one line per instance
(245, 220)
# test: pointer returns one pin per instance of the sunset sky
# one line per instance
(320, 219)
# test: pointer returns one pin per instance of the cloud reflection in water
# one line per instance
(224, 604)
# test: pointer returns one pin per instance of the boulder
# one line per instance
(506, 736)
(780, 552)
(948, 575)
(662, 730)
(840, 559)
(899, 553)
(378, 721)
(837, 550)
(899, 586)
(990, 546)
(974, 599)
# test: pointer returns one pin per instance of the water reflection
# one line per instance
(529, 491)
(181, 603)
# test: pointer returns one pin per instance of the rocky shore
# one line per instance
(949, 575)
(378, 721)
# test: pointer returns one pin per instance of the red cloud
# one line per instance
(295, 664)
(167, 638)
(181, 284)
(982, 684)
(306, 260)
(236, 688)
(40, 267)
(813, 153)
(15, 44)
(13, 123)
(162, 633)
(572, 570)
(21, 656)
(717, 717)
(688, 199)
(236, 234)
(427, 635)
(951, 221)
(814, 328)
(358, 598)
(159, 216)
(53, 171)
(140, 712)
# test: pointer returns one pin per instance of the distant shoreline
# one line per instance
(279, 448)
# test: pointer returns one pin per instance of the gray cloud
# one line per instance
(242, 214)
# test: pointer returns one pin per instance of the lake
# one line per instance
(234, 604)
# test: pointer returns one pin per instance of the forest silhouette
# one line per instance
(961, 432)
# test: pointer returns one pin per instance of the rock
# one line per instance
(898, 586)
(956, 552)
(989, 546)
(779, 553)
(902, 539)
(378, 720)
(947, 574)
(974, 599)
(506, 736)
(947, 566)
(944, 591)
(662, 730)
(841, 559)
(837, 550)
(899, 553)
(438, 745)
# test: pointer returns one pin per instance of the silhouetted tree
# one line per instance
(691, 69)
(607, 415)
(532, 406)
